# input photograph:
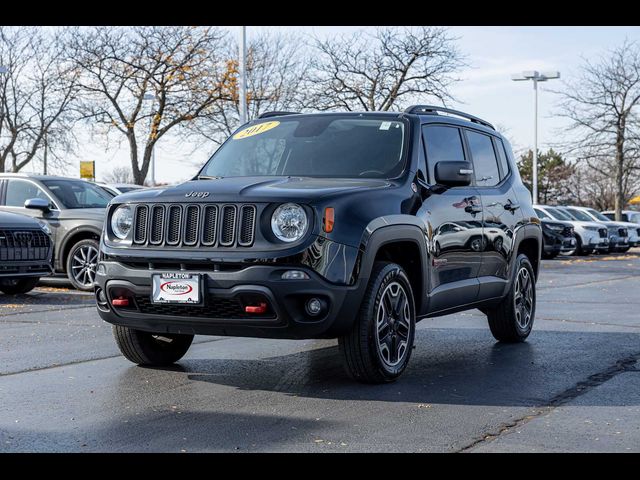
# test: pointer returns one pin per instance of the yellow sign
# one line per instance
(635, 200)
(87, 169)
(255, 130)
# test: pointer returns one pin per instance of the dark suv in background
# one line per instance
(347, 225)
(74, 210)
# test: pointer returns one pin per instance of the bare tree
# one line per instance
(144, 82)
(377, 71)
(602, 106)
(276, 70)
(119, 175)
(37, 90)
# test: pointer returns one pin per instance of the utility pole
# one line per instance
(242, 73)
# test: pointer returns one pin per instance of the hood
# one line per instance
(564, 223)
(253, 189)
(15, 220)
(584, 223)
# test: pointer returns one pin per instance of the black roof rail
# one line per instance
(276, 114)
(433, 110)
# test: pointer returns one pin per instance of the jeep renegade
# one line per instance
(336, 225)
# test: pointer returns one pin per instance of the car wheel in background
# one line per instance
(81, 264)
(18, 286)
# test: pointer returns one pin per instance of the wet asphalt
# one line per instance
(573, 386)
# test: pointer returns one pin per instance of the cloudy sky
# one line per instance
(493, 54)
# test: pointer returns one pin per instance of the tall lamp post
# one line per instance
(535, 77)
(242, 73)
(150, 97)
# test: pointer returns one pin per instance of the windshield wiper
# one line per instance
(207, 177)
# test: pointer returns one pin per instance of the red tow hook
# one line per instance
(261, 308)
(120, 302)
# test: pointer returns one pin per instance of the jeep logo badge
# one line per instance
(197, 194)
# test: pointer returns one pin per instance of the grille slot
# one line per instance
(228, 230)
(206, 225)
(191, 225)
(247, 220)
(214, 307)
(623, 232)
(142, 214)
(157, 224)
(602, 232)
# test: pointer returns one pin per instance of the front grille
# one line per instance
(567, 232)
(24, 245)
(602, 232)
(214, 307)
(638, 232)
(623, 232)
(206, 225)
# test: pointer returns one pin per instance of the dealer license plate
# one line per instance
(176, 288)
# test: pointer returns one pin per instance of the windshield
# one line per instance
(78, 193)
(634, 217)
(598, 215)
(577, 214)
(558, 214)
(314, 146)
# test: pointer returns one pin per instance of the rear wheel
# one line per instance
(81, 264)
(512, 319)
(378, 348)
(151, 349)
(18, 286)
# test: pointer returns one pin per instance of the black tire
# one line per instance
(508, 322)
(151, 349)
(363, 354)
(624, 249)
(18, 286)
(82, 281)
(580, 250)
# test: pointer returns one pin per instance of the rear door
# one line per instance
(500, 210)
(454, 224)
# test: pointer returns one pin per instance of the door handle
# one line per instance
(512, 206)
(472, 209)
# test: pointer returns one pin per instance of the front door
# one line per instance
(454, 220)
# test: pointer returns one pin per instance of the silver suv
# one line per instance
(74, 210)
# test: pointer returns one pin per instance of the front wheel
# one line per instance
(512, 319)
(151, 349)
(378, 348)
(18, 286)
(81, 264)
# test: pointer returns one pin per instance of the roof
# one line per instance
(35, 176)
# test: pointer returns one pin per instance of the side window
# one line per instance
(442, 143)
(502, 158)
(485, 163)
(541, 214)
(19, 191)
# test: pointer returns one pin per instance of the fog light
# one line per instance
(314, 306)
(295, 275)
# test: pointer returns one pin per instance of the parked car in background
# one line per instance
(557, 238)
(632, 220)
(590, 236)
(119, 188)
(25, 252)
(74, 211)
(618, 231)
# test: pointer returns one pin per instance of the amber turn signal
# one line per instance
(328, 219)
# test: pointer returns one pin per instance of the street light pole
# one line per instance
(535, 77)
(242, 71)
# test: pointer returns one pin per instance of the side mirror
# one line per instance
(453, 174)
(37, 204)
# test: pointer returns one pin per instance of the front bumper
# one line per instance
(224, 296)
(20, 269)
(557, 244)
(618, 243)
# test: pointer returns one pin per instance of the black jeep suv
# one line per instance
(347, 225)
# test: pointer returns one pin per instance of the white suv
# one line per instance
(631, 237)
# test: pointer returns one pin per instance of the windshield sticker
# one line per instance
(255, 130)
(385, 125)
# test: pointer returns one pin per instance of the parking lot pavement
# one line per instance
(574, 385)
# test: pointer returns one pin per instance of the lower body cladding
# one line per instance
(254, 301)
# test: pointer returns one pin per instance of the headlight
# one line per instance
(289, 222)
(555, 227)
(121, 221)
(45, 227)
